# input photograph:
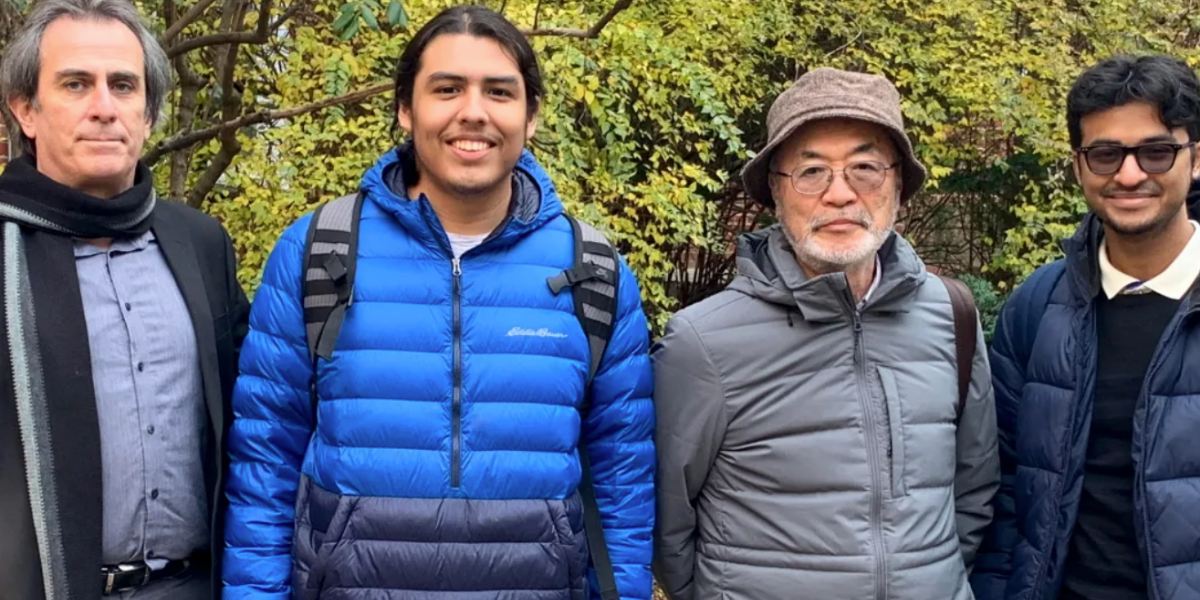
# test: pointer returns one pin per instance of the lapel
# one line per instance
(177, 248)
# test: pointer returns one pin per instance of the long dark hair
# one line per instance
(479, 21)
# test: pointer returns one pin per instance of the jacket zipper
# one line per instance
(1040, 582)
(872, 463)
(1155, 364)
(456, 403)
(456, 398)
(1141, 475)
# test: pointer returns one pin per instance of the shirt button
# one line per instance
(128, 306)
(141, 367)
(154, 494)
(150, 430)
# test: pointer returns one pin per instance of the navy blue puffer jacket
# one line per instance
(442, 460)
(1043, 366)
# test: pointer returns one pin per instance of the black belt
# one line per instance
(131, 576)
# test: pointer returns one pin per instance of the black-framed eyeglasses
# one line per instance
(862, 176)
(1156, 158)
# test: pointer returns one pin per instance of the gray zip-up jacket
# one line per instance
(809, 449)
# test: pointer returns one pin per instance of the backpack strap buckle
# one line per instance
(578, 274)
(335, 268)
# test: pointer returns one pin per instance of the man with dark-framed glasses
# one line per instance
(1096, 362)
(825, 425)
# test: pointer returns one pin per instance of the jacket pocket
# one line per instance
(895, 422)
(570, 543)
(322, 518)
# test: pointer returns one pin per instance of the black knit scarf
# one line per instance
(50, 470)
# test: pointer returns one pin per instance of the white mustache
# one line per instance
(819, 222)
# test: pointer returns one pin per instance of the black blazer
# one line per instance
(200, 255)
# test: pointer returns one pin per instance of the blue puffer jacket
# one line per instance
(1043, 367)
(442, 463)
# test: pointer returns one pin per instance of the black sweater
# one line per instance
(1104, 561)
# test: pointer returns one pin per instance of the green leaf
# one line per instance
(349, 14)
(369, 18)
(352, 30)
(394, 12)
(402, 20)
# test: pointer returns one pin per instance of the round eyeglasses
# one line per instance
(815, 179)
(1155, 159)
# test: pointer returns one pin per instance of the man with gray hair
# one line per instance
(120, 326)
(826, 426)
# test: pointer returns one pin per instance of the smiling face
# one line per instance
(840, 227)
(1132, 202)
(469, 116)
(88, 121)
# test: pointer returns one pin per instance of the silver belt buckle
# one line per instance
(112, 573)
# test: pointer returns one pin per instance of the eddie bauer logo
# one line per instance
(543, 333)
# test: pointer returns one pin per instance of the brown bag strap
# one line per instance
(965, 334)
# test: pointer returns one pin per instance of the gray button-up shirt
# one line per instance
(149, 396)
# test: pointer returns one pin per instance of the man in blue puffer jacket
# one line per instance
(1096, 363)
(441, 461)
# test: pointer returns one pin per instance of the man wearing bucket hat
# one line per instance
(814, 437)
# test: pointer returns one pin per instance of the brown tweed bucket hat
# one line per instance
(827, 93)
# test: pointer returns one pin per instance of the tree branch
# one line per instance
(287, 14)
(190, 138)
(585, 34)
(231, 101)
(230, 147)
(216, 39)
(169, 13)
(189, 89)
(846, 45)
(259, 36)
(191, 15)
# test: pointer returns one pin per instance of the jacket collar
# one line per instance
(535, 201)
(1083, 259)
(770, 271)
(1083, 262)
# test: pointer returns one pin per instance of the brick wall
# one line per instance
(3, 143)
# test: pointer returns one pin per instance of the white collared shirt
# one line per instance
(1174, 282)
(874, 283)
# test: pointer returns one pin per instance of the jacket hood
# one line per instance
(534, 203)
(768, 270)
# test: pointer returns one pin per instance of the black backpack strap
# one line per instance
(594, 278)
(965, 335)
(330, 262)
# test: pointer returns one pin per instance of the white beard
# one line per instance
(818, 258)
